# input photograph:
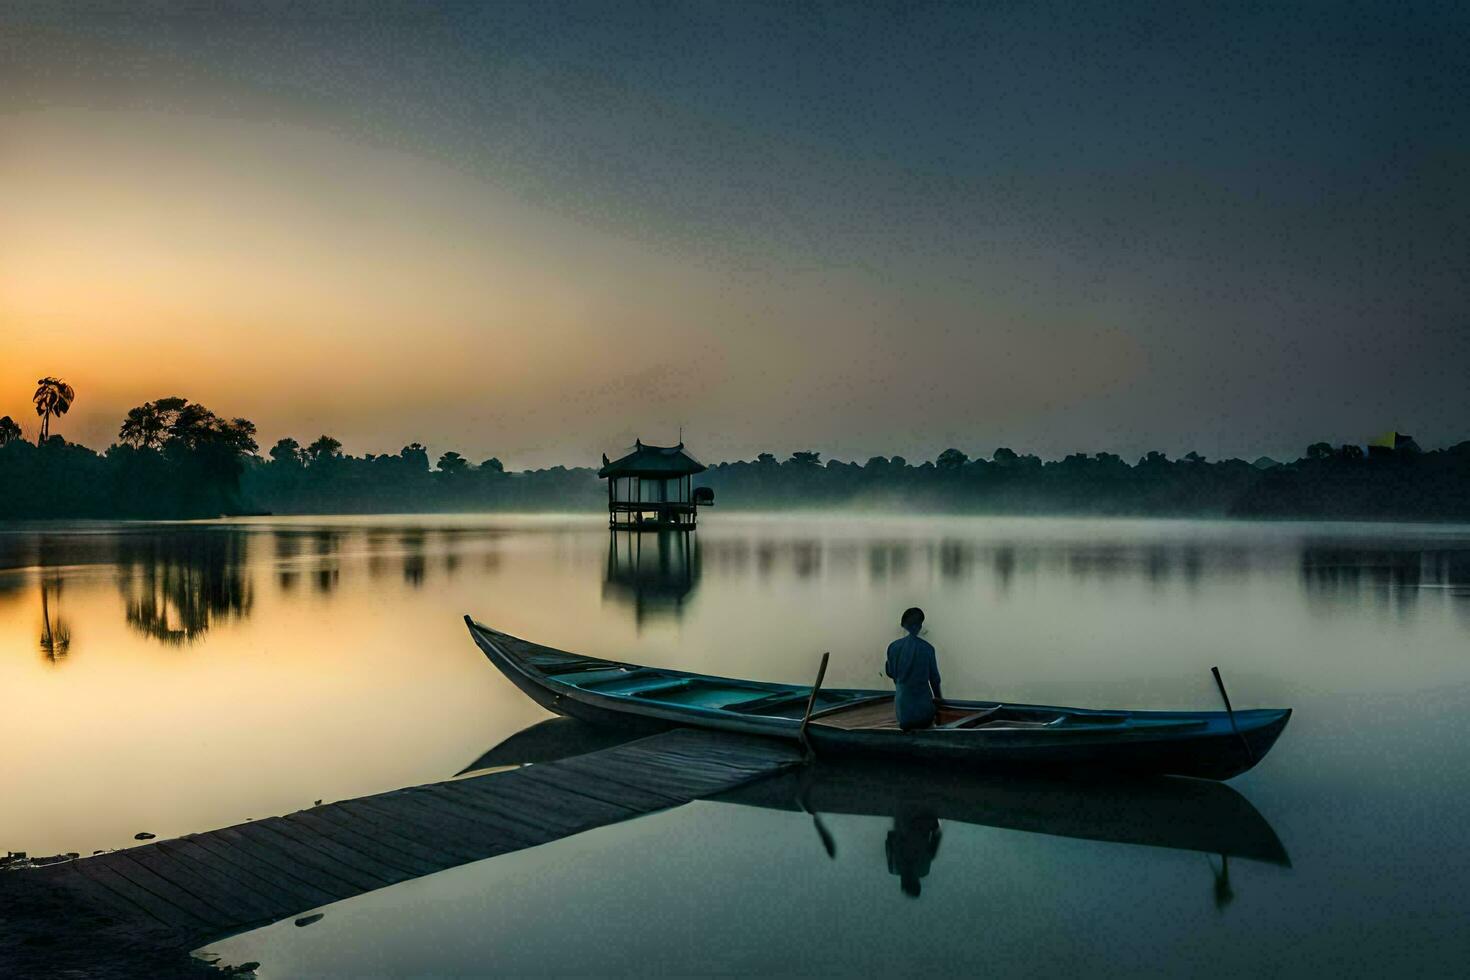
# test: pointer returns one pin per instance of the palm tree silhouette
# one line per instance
(53, 397)
(9, 430)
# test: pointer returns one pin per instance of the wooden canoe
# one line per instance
(851, 722)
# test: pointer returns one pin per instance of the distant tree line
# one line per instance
(177, 459)
(1346, 482)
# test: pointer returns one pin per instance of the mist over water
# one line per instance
(173, 678)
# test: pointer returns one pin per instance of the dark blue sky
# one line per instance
(1231, 227)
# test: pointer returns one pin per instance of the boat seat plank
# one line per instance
(970, 720)
(868, 714)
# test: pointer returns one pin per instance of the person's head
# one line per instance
(913, 619)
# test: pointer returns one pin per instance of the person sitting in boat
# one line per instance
(915, 674)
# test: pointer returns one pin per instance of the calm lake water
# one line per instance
(171, 678)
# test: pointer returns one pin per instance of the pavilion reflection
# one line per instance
(652, 573)
(176, 584)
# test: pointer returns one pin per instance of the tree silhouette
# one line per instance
(53, 397)
(492, 465)
(452, 462)
(144, 427)
(325, 448)
(416, 456)
(951, 459)
(9, 430)
(287, 452)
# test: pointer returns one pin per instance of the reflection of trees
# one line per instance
(1338, 573)
(175, 585)
(652, 573)
(415, 563)
(326, 544)
(55, 633)
(287, 546)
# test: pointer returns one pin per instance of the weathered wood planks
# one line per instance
(189, 890)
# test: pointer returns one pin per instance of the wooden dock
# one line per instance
(184, 892)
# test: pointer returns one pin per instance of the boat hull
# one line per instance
(1207, 754)
(1205, 744)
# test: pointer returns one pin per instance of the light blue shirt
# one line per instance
(915, 674)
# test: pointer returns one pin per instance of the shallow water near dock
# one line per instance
(172, 678)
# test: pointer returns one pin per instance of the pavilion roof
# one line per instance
(653, 461)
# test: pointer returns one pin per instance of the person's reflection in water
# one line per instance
(911, 846)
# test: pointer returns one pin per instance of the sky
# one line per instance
(538, 231)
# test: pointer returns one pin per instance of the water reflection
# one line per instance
(180, 581)
(55, 633)
(326, 544)
(177, 584)
(1391, 578)
(415, 561)
(654, 574)
(1164, 812)
(1167, 812)
(911, 847)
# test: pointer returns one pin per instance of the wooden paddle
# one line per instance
(811, 702)
(1231, 712)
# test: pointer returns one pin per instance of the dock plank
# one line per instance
(260, 833)
(285, 875)
(404, 853)
(182, 892)
(221, 894)
(336, 881)
(334, 846)
(105, 876)
(483, 837)
(271, 891)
